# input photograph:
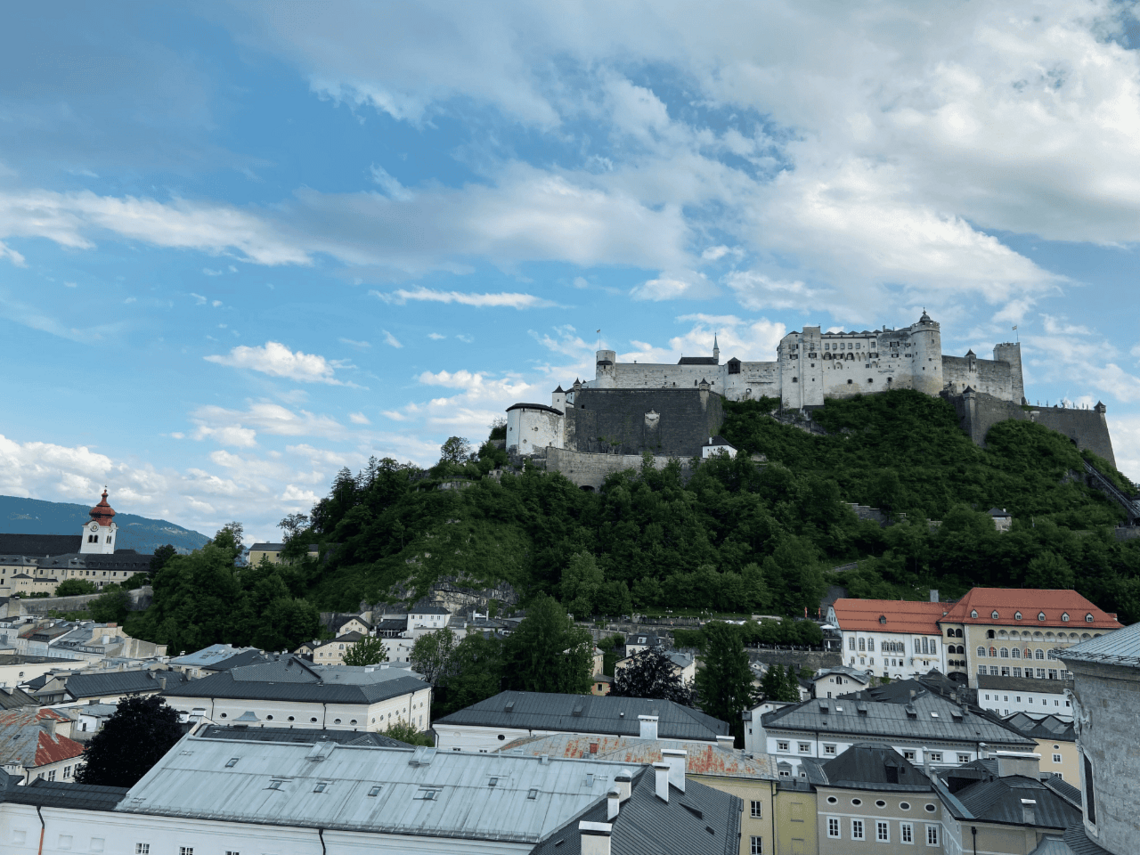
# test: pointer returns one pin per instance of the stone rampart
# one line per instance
(140, 598)
(1088, 429)
(591, 470)
(668, 422)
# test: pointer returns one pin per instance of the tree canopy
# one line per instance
(367, 651)
(724, 682)
(548, 653)
(141, 730)
(652, 674)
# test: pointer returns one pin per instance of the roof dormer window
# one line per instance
(1017, 616)
(1041, 616)
(1088, 618)
(1065, 617)
(974, 613)
(994, 614)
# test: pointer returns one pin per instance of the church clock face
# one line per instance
(94, 526)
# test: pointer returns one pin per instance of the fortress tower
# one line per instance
(607, 370)
(926, 336)
(1011, 352)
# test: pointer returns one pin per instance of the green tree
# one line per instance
(431, 654)
(776, 684)
(475, 673)
(456, 450)
(112, 606)
(73, 587)
(652, 674)
(1049, 570)
(161, 555)
(581, 584)
(724, 683)
(548, 653)
(408, 734)
(135, 737)
(368, 651)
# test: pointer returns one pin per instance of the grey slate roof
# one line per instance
(246, 657)
(588, 714)
(1119, 647)
(926, 717)
(12, 698)
(999, 800)
(299, 736)
(868, 767)
(59, 794)
(1079, 844)
(1047, 727)
(267, 547)
(39, 544)
(130, 561)
(84, 685)
(699, 820)
(291, 679)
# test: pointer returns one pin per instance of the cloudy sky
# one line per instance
(242, 246)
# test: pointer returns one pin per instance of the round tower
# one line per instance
(606, 376)
(926, 336)
(100, 533)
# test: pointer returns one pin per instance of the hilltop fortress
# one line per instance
(676, 410)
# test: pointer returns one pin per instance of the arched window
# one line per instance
(989, 633)
(1004, 653)
(871, 645)
(862, 645)
(993, 652)
(1040, 653)
(1016, 653)
(981, 651)
(1028, 653)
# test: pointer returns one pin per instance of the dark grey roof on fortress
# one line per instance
(1119, 647)
(41, 793)
(868, 767)
(303, 736)
(927, 716)
(39, 544)
(698, 360)
(292, 679)
(534, 407)
(588, 714)
(700, 819)
(718, 440)
(80, 686)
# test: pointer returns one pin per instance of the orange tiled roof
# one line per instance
(1031, 602)
(902, 616)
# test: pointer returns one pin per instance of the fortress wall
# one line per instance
(655, 375)
(983, 375)
(755, 380)
(1088, 429)
(628, 421)
(591, 470)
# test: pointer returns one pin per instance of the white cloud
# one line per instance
(392, 188)
(436, 336)
(277, 360)
(390, 339)
(264, 417)
(358, 419)
(359, 345)
(514, 301)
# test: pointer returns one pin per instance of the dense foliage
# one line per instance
(652, 674)
(135, 737)
(724, 682)
(739, 536)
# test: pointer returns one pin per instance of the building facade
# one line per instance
(895, 639)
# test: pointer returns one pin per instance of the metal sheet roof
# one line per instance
(292, 679)
(704, 758)
(86, 685)
(934, 718)
(59, 794)
(1115, 648)
(1000, 800)
(588, 714)
(367, 788)
(300, 737)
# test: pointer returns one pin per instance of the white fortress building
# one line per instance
(674, 410)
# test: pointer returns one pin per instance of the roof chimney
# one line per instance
(1028, 812)
(595, 837)
(934, 595)
(1018, 763)
(983, 752)
(623, 780)
(726, 742)
(676, 759)
(648, 727)
(613, 803)
(661, 770)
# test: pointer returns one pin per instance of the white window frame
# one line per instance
(882, 831)
(933, 834)
(858, 830)
(906, 833)
(756, 845)
(834, 828)
(757, 809)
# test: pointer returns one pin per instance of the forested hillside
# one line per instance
(739, 536)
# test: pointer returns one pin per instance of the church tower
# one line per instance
(716, 350)
(99, 534)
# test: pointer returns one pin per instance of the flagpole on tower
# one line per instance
(599, 347)
(1016, 337)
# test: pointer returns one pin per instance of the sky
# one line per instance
(245, 245)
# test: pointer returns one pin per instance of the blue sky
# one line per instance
(242, 246)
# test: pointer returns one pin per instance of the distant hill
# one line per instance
(33, 516)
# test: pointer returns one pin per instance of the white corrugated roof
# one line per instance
(195, 779)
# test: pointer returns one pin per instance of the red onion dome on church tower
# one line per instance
(102, 513)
